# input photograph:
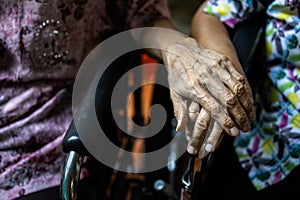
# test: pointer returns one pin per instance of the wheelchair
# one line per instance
(178, 179)
(161, 184)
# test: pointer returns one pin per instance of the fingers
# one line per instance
(208, 73)
(234, 95)
(200, 129)
(227, 99)
(233, 79)
(193, 112)
(214, 138)
(187, 85)
(180, 110)
(216, 110)
(244, 94)
(236, 82)
(212, 81)
(207, 135)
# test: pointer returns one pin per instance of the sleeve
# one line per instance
(143, 12)
(231, 12)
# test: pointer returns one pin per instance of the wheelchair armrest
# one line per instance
(112, 74)
(72, 142)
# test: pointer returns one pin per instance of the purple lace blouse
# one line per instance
(42, 44)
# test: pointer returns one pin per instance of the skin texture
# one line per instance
(215, 37)
(209, 90)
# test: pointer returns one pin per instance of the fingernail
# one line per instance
(191, 150)
(208, 147)
(234, 131)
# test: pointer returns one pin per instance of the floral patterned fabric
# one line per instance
(42, 44)
(272, 148)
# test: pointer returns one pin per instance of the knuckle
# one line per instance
(202, 123)
(212, 140)
(215, 111)
(247, 102)
(239, 89)
(224, 58)
(241, 78)
(215, 63)
(227, 122)
(194, 83)
(214, 137)
(230, 100)
(242, 117)
(196, 141)
(248, 105)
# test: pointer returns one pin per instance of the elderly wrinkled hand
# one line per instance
(209, 79)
